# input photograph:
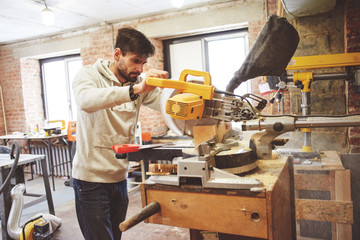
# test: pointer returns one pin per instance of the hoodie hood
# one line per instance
(103, 67)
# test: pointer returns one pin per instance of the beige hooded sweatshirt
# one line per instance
(105, 116)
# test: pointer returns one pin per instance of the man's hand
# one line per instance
(143, 87)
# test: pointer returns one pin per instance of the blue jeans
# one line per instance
(100, 208)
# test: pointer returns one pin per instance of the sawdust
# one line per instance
(268, 171)
(268, 179)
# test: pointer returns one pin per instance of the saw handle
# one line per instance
(125, 148)
(205, 75)
(140, 216)
(204, 91)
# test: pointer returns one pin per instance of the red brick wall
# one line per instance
(31, 87)
(11, 83)
(151, 120)
(352, 44)
(101, 46)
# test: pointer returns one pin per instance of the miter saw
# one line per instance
(216, 163)
(187, 104)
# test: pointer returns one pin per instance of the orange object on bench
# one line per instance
(71, 131)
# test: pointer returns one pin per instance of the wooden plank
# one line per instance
(203, 133)
(280, 204)
(200, 189)
(330, 160)
(332, 197)
(143, 197)
(342, 185)
(351, 162)
(324, 210)
(343, 192)
(237, 215)
(314, 182)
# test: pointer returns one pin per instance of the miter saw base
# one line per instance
(210, 177)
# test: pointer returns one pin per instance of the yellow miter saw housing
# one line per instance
(189, 103)
(185, 106)
(195, 101)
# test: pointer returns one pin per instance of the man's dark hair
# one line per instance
(131, 40)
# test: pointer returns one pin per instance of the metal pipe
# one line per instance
(302, 122)
(325, 76)
(13, 225)
(305, 103)
(334, 122)
(306, 110)
(331, 76)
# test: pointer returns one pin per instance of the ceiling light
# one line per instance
(48, 16)
(177, 3)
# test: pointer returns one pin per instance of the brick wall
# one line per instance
(151, 120)
(11, 84)
(352, 44)
(101, 45)
(31, 90)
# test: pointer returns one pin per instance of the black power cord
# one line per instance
(14, 146)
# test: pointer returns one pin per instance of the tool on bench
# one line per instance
(202, 167)
(54, 130)
(71, 131)
(122, 150)
(150, 152)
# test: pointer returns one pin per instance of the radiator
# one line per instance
(60, 158)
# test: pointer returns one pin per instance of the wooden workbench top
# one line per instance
(329, 160)
(268, 172)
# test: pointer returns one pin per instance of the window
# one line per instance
(57, 74)
(220, 54)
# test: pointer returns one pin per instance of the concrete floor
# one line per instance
(63, 197)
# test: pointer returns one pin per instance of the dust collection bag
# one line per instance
(272, 51)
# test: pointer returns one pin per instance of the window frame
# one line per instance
(204, 38)
(65, 59)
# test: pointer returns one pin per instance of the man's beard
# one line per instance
(126, 76)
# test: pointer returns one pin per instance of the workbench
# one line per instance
(5, 199)
(46, 140)
(267, 213)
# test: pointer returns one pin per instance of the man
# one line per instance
(108, 95)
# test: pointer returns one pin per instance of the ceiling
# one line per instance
(21, 19)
